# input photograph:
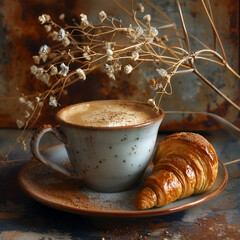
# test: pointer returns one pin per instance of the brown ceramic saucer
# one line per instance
(55, 190)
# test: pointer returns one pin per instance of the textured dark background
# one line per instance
(21, 36)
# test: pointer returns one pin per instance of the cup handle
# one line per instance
(35, 142)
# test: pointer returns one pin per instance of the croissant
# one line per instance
(184, 164)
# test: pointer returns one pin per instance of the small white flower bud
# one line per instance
(62, 16)
(147, 18)
(36, 59)
(83, 17)
(44, 50)
(45, 78)
(44, 58)
(128, 69)
(140, 7)
(81, 74)
(84, 21)
(48, 28)
(139, 31)
(20, 123)
(22, 100)
(44, 18)
(86, 56)
(66, 41)
(64, 70)
(135, 55)
(40, 71)
(151, 102)
(27, 114)
(34, 69)
(52, 101)
(153, 31)
(54, 36)
(111, 76)
(109, 52)
(40, 104)
(102, 16)
(162, 72)
(61, 34)
(53, 70)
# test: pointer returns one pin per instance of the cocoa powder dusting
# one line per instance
(59, 189)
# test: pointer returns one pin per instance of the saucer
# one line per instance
(56, 190)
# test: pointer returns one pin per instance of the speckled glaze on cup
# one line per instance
(105, 159)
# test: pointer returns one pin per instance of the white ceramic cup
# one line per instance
(105, 159)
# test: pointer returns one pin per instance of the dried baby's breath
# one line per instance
(27, 114)
(54, 35)
(44, 50)
(147, 18)
(84, 21)
(109, 69)
(44, 18)
(101, 46)
(36, 59)
(34, 69)
(162, 72)
(110, 45)
(64, 69)
(48, 27)
(128, 69)
(22, 100)
(153, 31)
(81, 74)
(151, 102)
(102, 16)
(20, 123)
(135, 55)
(140, 7)
(66, 41)
(53, 70)
(62, 16)
(61, 34)
(52, 101)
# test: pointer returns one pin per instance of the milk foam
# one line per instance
(108, 114)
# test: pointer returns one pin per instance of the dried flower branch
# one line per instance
(112, 46)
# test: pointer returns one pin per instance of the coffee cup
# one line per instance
(109, 143)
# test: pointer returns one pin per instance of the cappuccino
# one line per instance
(109, 143)
(108, 114)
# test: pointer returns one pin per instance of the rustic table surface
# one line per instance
(23, 218)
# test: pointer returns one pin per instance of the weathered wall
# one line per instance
(21, 36)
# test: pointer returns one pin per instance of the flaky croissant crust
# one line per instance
(184, 164)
